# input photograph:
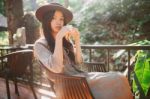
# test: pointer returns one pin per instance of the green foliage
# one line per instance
(144, 42)
(142, 71)
(4, 38)
(32, 5)
(107, 21)
(116, 21)
(2, 10)
(142, 68)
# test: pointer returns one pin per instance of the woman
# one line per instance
(56, 52)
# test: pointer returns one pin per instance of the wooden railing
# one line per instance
(128, 48)
(108, 49)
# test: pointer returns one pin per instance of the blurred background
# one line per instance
(99, 21)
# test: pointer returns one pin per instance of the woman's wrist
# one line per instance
(58, 37)
(77, 41)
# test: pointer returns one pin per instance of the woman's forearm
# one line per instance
(78, 52)
(58, 52)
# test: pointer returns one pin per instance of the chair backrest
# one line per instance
(94, 67)
(18, 61)
(69, 87)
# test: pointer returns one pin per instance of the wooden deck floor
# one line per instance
(24, 91)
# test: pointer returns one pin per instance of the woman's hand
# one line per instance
(75, 34)
(63, 32)
(69, 31)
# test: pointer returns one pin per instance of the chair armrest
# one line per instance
(68, 87)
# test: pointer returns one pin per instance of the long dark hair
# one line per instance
(47, 18)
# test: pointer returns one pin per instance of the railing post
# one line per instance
(108, 59)
(128, 65)
(90, 54)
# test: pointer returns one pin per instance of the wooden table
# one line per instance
(5, 49)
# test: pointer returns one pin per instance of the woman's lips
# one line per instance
(58, 27)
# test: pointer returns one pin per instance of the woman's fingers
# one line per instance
(69, 31)
(64, 31)
(75, 33)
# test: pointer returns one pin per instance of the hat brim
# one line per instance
(42, 11)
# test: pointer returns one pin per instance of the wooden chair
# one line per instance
(16, 66)
(68, 87)
(94, 67)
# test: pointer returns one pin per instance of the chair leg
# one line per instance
(52, 86)
(16, 86)
(30, 80)
(34, 94)
(7, 88)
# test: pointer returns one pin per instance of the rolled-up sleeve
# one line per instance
(42, 53)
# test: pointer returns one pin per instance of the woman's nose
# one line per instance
(58, 21)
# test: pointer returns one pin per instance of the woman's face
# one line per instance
(57, 22)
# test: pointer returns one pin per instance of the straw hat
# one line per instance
(40, 12)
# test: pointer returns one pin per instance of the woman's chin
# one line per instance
(57, 30)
